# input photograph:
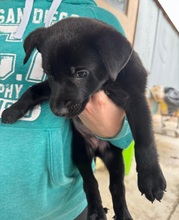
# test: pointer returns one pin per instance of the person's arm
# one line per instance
(107, 121)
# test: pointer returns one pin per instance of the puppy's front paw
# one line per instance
(152, 183)
(11, 115)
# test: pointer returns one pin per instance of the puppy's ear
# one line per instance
(115, 51)
(33, 40)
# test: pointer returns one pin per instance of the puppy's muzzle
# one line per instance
(67, 111)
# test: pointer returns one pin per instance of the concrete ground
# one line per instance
(139, 207)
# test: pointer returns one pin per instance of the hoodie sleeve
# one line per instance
(123, 139)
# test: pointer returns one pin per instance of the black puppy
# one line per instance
(80, 57)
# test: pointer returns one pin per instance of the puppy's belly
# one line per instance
(96, 143)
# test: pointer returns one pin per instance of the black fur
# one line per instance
(80, 57)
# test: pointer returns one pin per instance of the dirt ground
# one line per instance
(139, 207)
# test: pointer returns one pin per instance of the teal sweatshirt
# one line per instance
(38, 179)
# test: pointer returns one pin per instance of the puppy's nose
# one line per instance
(60, 111)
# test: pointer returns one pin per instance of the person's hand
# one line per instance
(102, 116)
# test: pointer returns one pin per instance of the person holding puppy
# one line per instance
(38, 179)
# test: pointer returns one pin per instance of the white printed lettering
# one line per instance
(10, 18)
(54, 19)
(8, 91)
(7, 65)
(18, 89)
(2, 19)
(11, 90)
(63, 15)
(1, 88)
(38, 16)
(19, 15)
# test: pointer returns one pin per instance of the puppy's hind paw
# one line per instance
(123, 215)
(98, 215)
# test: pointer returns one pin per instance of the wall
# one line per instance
(157, 43)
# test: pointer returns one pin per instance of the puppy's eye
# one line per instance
(82, 74)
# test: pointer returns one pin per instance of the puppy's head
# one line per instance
(79, 55)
